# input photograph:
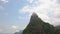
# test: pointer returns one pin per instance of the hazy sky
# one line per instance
(15, 14)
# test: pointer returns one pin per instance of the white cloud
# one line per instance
(9, 29)
(30, 1)
(42, 7)
(15, 28)
(5, 1)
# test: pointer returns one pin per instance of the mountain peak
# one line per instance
(34, 15)
(37, 26)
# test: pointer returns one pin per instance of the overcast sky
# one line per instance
(15, 14)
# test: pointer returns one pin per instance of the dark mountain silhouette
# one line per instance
(38, 26)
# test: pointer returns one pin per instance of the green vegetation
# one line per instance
(37, 26)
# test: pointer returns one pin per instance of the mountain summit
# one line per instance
(38, 26)
(34, 15)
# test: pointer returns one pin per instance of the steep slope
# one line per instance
(37, 26)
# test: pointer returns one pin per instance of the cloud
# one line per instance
(9, 29)
(42, 8)
(2, 4)
(15, 28)
(5, 1)
(30, 1)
